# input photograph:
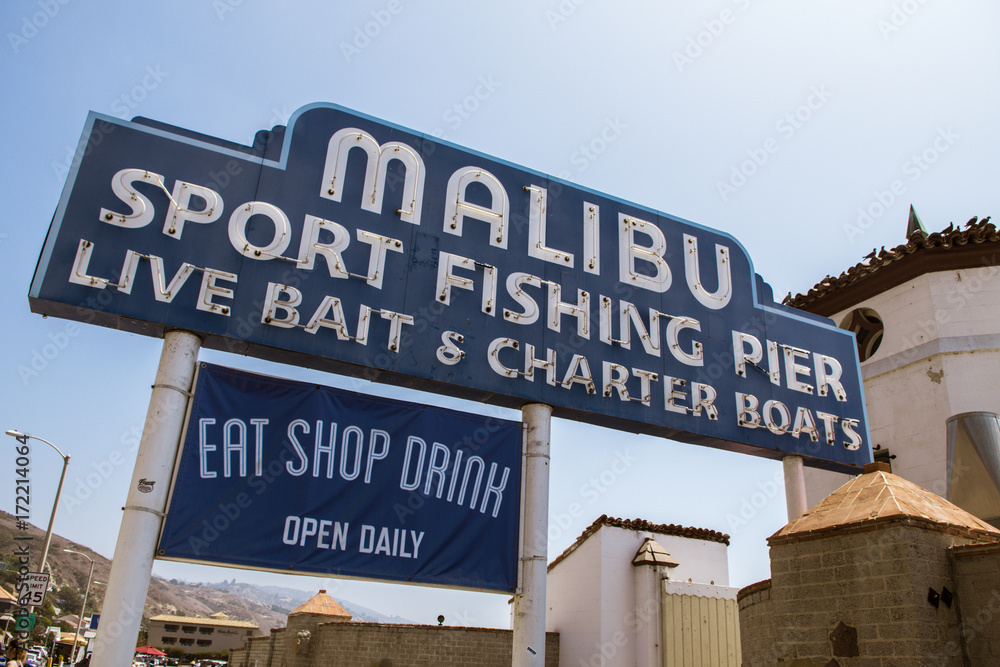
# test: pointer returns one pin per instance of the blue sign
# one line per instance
(292, 477)
(348, 244)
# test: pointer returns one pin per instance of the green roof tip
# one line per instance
(914, 224)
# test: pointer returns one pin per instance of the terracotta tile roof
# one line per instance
(642, 524)
(877, 498)
(878, 262)
(193, 620)
(321, 604)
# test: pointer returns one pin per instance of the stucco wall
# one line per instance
(591, 592)
(701, 561)
(573, 595)
(938, 357)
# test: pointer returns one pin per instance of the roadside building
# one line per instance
(900, 564)
(68, 622)
(194, 634)
(927, 318)
(632, 592)
(881, 572)
(8, 603)
(626, 592)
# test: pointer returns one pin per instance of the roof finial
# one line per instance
(914, 224)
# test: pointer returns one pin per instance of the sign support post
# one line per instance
(795, 486)
(132, 566)
(529, 604)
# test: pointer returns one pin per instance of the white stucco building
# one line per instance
(630, 592)
(927, 316)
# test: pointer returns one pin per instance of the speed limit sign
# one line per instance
(31, 589)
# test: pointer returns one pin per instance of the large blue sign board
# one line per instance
(348, 244)
(292, 477)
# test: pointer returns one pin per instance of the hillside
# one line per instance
(283, 600)
(266, 607)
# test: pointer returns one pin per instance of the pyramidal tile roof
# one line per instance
(651, 553)
(321, 604)
(879, 497)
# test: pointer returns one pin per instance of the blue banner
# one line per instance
(292, 477)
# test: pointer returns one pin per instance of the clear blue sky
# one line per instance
(772, 120)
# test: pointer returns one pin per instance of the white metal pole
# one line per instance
(23, 439)
(795, 487)
(83, 608)
(132, 565)
(52, 517)
(529, 604)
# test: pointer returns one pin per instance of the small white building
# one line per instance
(630, 592)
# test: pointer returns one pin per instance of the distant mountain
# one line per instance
(269, 605)
(266, 606)
(283, 600)
(297, 597)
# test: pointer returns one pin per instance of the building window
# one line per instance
(185, 641)
(206, 631)
(171, 628)
(204, 642)
(188, 629)
(868, 328)
(170, 641)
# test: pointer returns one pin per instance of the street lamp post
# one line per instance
(23, 439)
(79, 622)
